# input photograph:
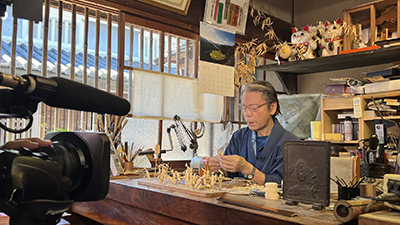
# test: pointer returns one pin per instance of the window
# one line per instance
(93, 61)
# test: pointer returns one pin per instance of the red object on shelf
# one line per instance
(360, 49)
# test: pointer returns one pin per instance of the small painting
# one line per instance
(217, 45)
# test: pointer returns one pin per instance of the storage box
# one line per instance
(335, 89)
(315, 127)
(390, 85)
(369, 114)
(332, 137)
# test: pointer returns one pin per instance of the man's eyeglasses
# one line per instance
(252, 107)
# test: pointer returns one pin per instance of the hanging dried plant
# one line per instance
(248, 54)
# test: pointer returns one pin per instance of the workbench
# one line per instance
(130, 203)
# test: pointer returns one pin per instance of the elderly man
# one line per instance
(255, 152)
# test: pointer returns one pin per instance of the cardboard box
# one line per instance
(332, 137)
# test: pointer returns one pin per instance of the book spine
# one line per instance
(220, 12)
(216, 10)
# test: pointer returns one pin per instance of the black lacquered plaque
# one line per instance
(306, 172)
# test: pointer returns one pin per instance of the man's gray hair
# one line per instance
(267, 90)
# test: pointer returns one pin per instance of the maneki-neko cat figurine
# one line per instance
(303, 43)
(302, 46)
(332, 37)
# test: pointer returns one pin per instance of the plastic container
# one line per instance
(348, 129)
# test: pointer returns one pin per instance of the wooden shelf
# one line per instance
(338, 108)
(288, 71)
(333, 104)
(385, 117)
(383, 94)
(337, 62)
(344, 142)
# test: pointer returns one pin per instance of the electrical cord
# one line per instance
(27, 127)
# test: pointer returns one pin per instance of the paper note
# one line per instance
(357, 107)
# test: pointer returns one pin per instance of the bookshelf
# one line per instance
(332, 106)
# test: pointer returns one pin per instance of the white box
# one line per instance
(390, 85)
(369, 113)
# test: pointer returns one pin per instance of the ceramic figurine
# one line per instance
(316, 34)
(302, 46)
(303, 43)
(285, 50)
(332, 38)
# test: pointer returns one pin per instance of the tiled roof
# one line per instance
(22, 52)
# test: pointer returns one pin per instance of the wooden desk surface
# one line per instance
(130, 203)
(386, 217)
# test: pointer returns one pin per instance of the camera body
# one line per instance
(41, 184)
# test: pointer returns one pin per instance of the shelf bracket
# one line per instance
(289, 82)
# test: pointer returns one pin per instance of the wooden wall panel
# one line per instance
(186, 26)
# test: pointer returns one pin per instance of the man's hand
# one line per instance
(214, 164)
(30, 143)
(234, 163)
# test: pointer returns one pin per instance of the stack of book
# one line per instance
(392, 73)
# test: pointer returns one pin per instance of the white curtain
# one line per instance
(160, 96)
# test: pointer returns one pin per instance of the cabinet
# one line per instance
(377, 19)
(331, 107)
(367, 124)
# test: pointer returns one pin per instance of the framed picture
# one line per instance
(178, 6)
(230, 14)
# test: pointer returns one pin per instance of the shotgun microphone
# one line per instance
(62, 93)
(78, 96)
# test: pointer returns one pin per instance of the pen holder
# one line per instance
(128, 167)
(347, 193)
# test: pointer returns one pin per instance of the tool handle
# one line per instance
(150, 152)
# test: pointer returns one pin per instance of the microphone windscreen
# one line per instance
(78, 96)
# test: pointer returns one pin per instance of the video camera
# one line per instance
(37, 186)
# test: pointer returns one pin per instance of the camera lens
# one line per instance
(85, 159)
(71, 158)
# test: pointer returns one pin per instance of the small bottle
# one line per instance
(357, 42)
(348, 129)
